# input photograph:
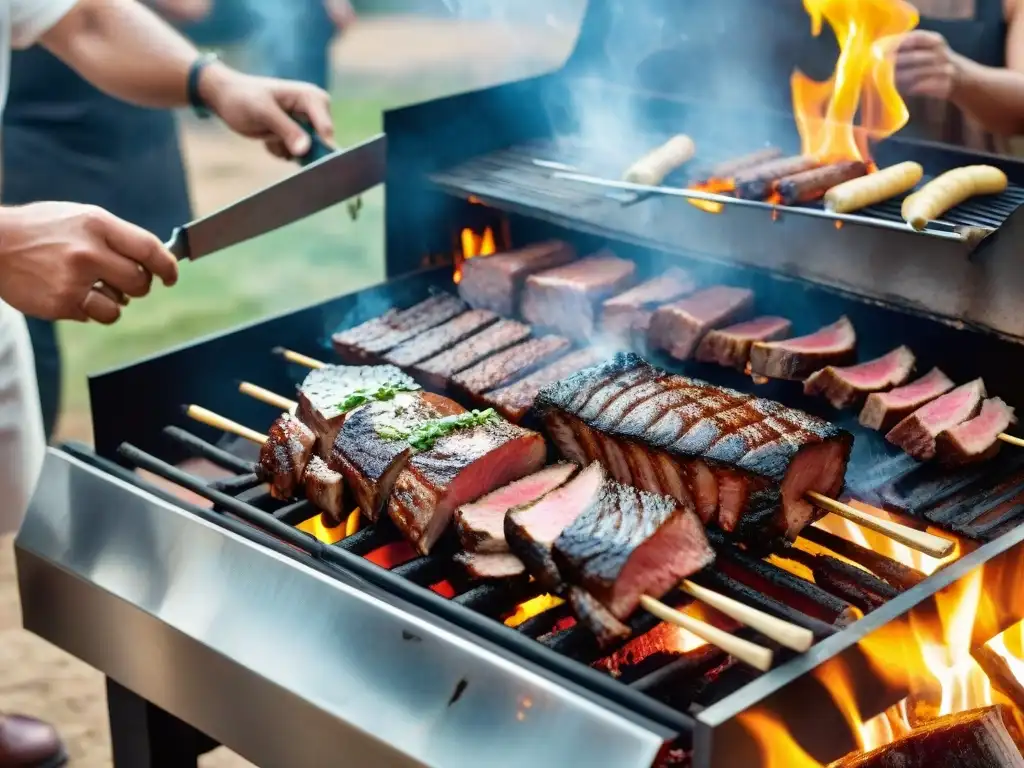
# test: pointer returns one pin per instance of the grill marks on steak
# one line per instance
(324, 389)
(796, 359)
(439, 369)
(495, 282)
(627, 316)
(460, 467)
(846, 387)
(691, 437)
(370, 339)
(566, 299)
(285, 454)
(730, 346)
(678, 328)
(370, 463)
(481, 524)
(917, 432)
(513, 401)
(505, 367)
(884, 410)
(436, 340)
(976, 439)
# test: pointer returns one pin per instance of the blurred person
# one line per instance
(65, 139)
(54, 255)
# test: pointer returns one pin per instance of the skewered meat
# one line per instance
(566, 299)
(845, 387)
(976, 439)
(531, 530)
(628, 315)
(597, 618)
(437, 370)
(666, 433)
(285, 454)
(730, 347)
(436, 340)
(505, 367)
(327, 396)
(884, 410)
(325, 488)
(496, 282)
(481, 524)
(460, 467)
(368, 459)
(484, 566)
(796, 359)
(514, 400)
(631, 543)
(370, 339)
(677, 328)
(916, 434)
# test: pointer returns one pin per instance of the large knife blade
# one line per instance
(330, 180)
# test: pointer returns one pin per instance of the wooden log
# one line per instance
(895, 573)
(1000, 675)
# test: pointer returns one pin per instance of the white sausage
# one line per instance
(874, 188)
(652, 168)
(949, 190)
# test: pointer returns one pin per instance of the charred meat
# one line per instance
(325, 488)
(513, 401)
(592, 614)
(505, 367)
(481, 566)
(976, 439)
(567, 299)
(438, 370)
(436, 340)
(679, 327)
(368, 341)
(884, 410)
(285, 454)
(481, 524)
(796, 359)
(916, 434)
(846, 387)
(495, 283)
(626, 317)
(730, 346)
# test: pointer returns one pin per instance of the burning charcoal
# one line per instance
(514, 400)
(845, 387)
(438, 370)
(812, 184)
(732, 168)
(508, 365)
(566, 299)
(730, 346)
(796, 359)
(436, 340)
(757, 182)
(891, 571)
(481, 566)
(367, 341)
(916, 434)
(976, 439)
(980, 738)
(628, 315)
(677, 328)
(884, 410)
(495, 282)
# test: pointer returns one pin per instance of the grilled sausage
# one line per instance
(949, 190)
(810, 185)
(874, 188)
(652, 168)
(730, 168)
(755, 183)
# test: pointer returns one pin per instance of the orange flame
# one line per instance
(473, 245)
(868, 32)
(531, 608)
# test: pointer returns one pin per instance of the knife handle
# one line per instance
(318, 148)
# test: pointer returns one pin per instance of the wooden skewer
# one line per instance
(782, 632)
(266, 396)
(298, 358)
(1011, 439)
(215, 420)
(922, 541)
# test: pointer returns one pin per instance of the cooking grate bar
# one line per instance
(204, 450)
(237, 484)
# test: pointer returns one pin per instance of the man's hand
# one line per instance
(927, 66)
(264, 108)
(340, 12)
(184, 10)
(53, 254)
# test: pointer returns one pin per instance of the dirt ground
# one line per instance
(36, 678)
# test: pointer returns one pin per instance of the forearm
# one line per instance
(994, 97)
(126, 50)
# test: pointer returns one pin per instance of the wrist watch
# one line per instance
(195, 100)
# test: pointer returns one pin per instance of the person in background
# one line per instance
(64, 139)
(70, 261)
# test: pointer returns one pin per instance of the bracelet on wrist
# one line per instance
(195, 98)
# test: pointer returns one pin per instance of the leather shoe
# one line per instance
(29, 743)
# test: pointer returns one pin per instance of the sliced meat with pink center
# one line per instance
(976, 439)
(846, 387)
(481, 524)
(884, 410)
(796, 359)
(916, 434)
(730, 346)
(678, 328)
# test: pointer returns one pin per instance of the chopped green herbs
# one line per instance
(363, 396)
(423, 436)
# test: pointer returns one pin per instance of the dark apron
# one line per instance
(65, 140)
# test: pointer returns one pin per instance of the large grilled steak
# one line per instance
(515, 400)
(671, 434)
(438, 339)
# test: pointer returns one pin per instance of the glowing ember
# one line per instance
(868, 32)
(531, 608)
(473, 245)
(714, 187)
(323, 528)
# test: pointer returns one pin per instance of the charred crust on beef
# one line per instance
(436, 340)
(678, 328)
(495, 282)
(515, 400)
(439, 369)
(626, 317)
(508, 365)
(376, 336)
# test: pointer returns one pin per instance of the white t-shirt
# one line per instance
(22, 440)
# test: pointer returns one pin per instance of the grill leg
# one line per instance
(144, 736)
